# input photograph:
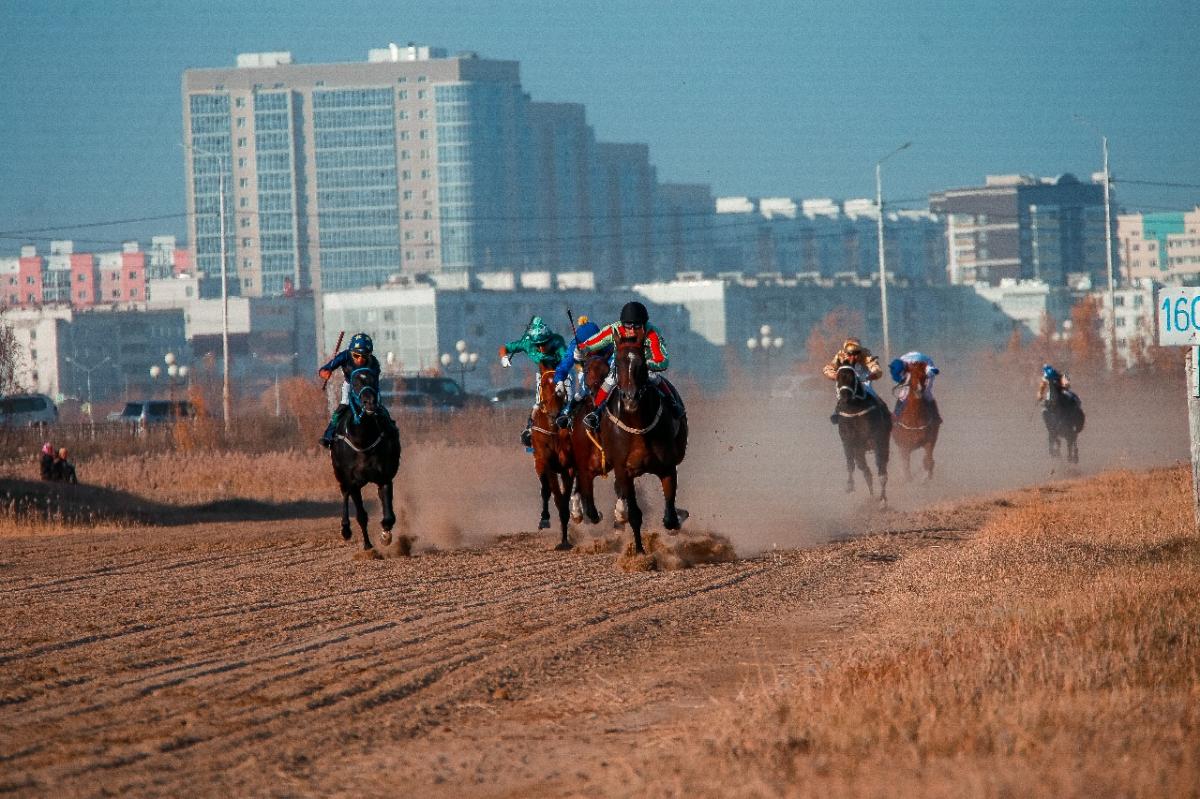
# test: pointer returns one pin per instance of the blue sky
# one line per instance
(765, 99)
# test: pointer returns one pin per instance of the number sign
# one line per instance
(1178, 316)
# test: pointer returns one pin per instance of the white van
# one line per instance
(27, 410)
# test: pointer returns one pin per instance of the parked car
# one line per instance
(436, 393)
(148, 412)
(27, 410)
(514, 397)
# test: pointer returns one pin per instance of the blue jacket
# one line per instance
(342, 361)
(585, 331)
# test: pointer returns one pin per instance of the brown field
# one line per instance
(189, 622)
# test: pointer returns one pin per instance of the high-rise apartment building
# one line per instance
(1022, 227)
(339, 176)
(1163, 246)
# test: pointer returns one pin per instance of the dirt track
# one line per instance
(259, 659)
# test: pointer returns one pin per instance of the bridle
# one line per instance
(856, 391)
(368, 386)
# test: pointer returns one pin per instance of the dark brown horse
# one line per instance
(864, 424)
(590, 460)
(365, 450)
(1064, 418)
(916, 426)
(553, 455)
(641, 436)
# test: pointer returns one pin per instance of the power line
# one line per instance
(1162, 183)
(8, 233)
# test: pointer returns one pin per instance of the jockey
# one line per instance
(568, 380)
(899, 369)
(634, 321)
(866, 366)
(356, 356)
(545, 348)
(1051, 375)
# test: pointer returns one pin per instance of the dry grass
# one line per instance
(1055, 654)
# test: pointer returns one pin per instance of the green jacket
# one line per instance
(556, 350)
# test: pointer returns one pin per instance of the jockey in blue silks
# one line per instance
(356, 356)
(899, 369)
(1051, 375)
(569, 381)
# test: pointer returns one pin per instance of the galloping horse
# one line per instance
(553, 455)
(863, 425)
(1064, 418)
(590, 460)
(365, 451)
(917, 426)
(641, 437)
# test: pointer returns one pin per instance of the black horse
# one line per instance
(864, 424)
(642, 436)
(365, 450)
(1063, 415)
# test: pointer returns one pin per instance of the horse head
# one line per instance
(633, 376)
(918, 376)
(547, 398)
(849, 387)
(364, 393)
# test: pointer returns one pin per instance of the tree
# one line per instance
(827, 336)
(1086, 342)
(10, 358)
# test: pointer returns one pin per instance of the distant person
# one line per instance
(899, 370)
(357, 356)
(62, 469)
(545, 348)
(866, 366)
(1051, 376)
(46, 461)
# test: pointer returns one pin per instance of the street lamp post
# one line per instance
(225, 401)
(765, 341)
(1108, 249)
(883, 303)
(173, 371)
(467, 362)
(88, 371)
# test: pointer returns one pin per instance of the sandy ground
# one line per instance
(259, 658)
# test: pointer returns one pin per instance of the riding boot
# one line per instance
(527, 433)
(389, 423)
(563, 420)
(592, 420)
(327, 439)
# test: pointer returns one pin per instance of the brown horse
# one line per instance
(641, 436)
(553, 455)
(590, 461)
(916, 426)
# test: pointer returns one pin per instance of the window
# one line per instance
(241, 163)
(245, 221)
(405, 174)
(241, 122)
(402, 79)
(133, 292)
(424, 134)
(404, 135)
(404, 155)
(425, 173)
(246, 242)
(403, 93)
(241, 142)
(240, 102)
(407, 194)
(421, 79)
(133, 275)
(427, 214)
(243, 182)
(404, 115)
(421, 94)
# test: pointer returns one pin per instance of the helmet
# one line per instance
(852, 346)
(361, 342)
(1049, 372)
(634, 313)
(538, 331)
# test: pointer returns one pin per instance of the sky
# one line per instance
(766, 99)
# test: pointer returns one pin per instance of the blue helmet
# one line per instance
(586, 330)
(1050, 373)
(361, 342)
(897, 367)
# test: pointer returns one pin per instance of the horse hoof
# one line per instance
(385, 537)
(346, 533)
(543, 524)
(563, 546)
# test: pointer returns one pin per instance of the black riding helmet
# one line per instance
(634, 313)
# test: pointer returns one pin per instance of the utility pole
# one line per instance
(887, 343)
(1108, 261)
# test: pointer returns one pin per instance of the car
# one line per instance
(148, 412)
(27, 410)
(436, 393)
(514, 397)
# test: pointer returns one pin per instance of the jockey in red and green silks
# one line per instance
(635, 320)
(542, 346)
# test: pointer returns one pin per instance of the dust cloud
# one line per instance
(766, 473)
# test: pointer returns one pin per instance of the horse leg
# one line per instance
(389, 517)
(562, 498)
(882, 443)
(346, 534)
(906, 458)
(544, 521)
(927, 462)
(635, 519)
(360, 514)
(860, 458)
(849, 452)
(672, 518)
(1072, 447)
(586, 486)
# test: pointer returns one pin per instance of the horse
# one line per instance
(590, 460)
(365, 451)
(916, 426)
(1064, 419)
(641, 437)
(863, 424)
(553, 455)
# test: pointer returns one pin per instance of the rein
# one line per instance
(351, 444)
(632, 430)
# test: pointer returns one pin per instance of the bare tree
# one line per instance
(10, 358)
